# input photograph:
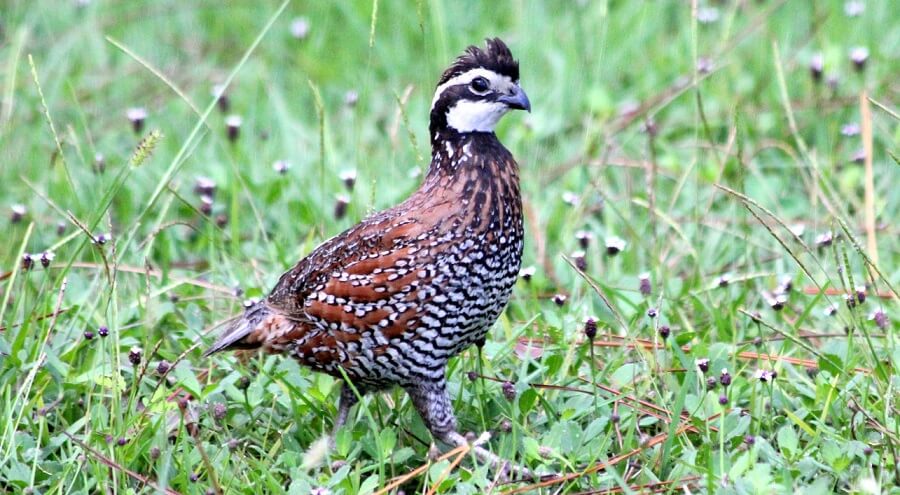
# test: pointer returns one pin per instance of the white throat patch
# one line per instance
(475, 116)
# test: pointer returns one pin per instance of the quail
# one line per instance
(389, 301)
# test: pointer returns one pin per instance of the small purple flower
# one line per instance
(206, 205)
(351, 98)
(850, 130)
(137, 116)
(340, 206)
(233, 127)
(281, 166)
(703, 365)
(614, 245)
(817, 66)
(644, 284)
(218, 92)
(527, 272)
(348, 177)
(46, 258)
(204, 186)
(509, 390)
(560, 299)
(17, 213)
(300, 28)
(854, 8)
(764, 375)
(652, 313)
(880, 318)
(88, 335)
(749, 439)
(103, 331)
(825, 239)
(580, 260)
(590, 329)
(723, 400)
(664, 332)
(859, 55)
(584, 238)
(134, 355)
(861, 293)
(163, 367)
(27, 261)
(725, 378)
(723, 280)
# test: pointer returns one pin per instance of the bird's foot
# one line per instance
(505, 467)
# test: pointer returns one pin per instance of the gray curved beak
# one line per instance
(517, 100)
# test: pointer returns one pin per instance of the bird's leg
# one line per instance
(433, 403)
(347, 400)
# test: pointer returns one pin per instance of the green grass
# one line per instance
(735, 157)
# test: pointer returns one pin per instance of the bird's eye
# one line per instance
(479, 85)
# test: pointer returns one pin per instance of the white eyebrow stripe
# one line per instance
(497, 80)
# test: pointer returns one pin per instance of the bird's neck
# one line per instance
(453, 151)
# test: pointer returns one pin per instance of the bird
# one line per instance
(389, 301)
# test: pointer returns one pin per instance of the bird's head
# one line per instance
(477, 90)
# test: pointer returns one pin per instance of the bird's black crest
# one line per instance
(497, 58)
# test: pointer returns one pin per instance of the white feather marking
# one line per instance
(475, 116)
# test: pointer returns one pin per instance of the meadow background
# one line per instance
(741, 157)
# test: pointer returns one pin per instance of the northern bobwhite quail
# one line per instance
(390, 300)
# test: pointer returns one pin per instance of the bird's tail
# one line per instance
(243, 331)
